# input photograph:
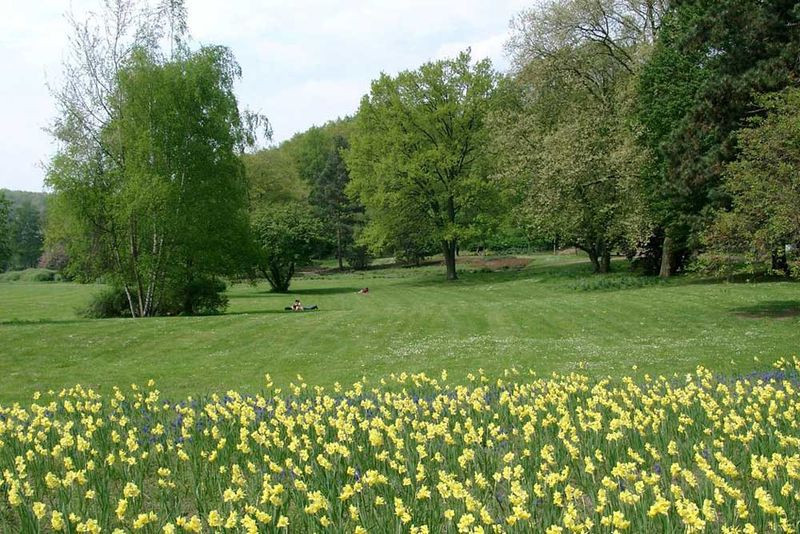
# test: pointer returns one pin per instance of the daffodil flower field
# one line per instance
(413, 453)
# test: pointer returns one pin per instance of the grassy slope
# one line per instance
(411, 321)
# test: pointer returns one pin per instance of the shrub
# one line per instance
(414, 252)
(110, 302)
(358, 257)
(29, 275)
(43, 276)
(200, 296)
(10, 276)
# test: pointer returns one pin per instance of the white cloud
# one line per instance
(304, 61)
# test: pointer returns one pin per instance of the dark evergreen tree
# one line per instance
(337, 210)
(699, 87)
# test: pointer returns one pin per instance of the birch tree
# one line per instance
(148, 159)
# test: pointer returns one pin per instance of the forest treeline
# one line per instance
(21, 229)
(666, 131)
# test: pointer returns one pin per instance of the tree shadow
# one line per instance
(320, 291)
(292, 292)
(261, 312)
(691, 279)
(476, 276)
(772, 309)
(33, 322)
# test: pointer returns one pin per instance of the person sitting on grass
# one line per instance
(363, 291)
(298, 307)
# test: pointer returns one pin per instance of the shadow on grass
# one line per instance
(738, 279)
(270, 312)
(320, 291)
(292, 293)
(470, 276)
(772, 309)
(29, 322)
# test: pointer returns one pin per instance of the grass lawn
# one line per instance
(549, 316)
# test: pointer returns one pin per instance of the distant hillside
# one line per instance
(38, 200)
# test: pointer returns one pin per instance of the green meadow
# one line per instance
(545, 313)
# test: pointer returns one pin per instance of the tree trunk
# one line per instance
(188, 302)
(593, 258)
(278, 278)
(666, 258)
(449, 250)
(779, 261)
(134, 261)
(339, 245)
(605, 262)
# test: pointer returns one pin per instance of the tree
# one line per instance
(581, 187)
(26, 235)
(404, 229)
(566, 145)
(273, 178)
(336, 209)
(417, 146)
(288, 235)
(764, 186)
(5, 231)
(295, 171)
(696, 91)
(310, 151)
(148, 168)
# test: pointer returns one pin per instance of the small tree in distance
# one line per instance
(5, 231)
(328, 196)
(288, 235)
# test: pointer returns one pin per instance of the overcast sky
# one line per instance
(304, 61)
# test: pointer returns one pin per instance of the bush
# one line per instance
(10, 276)
(358, 257)
(201, 296)
(414, 251)
(110, 302)
(29, 275)
(43, 276)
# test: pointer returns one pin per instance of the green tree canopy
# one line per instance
(567, 146)
(418, 150)
(764, 186)
(697, 90)
(26, 235)
(272, 177)
(288, 235)
(5, 230)
(156, 189)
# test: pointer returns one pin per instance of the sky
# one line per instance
(304, 62)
